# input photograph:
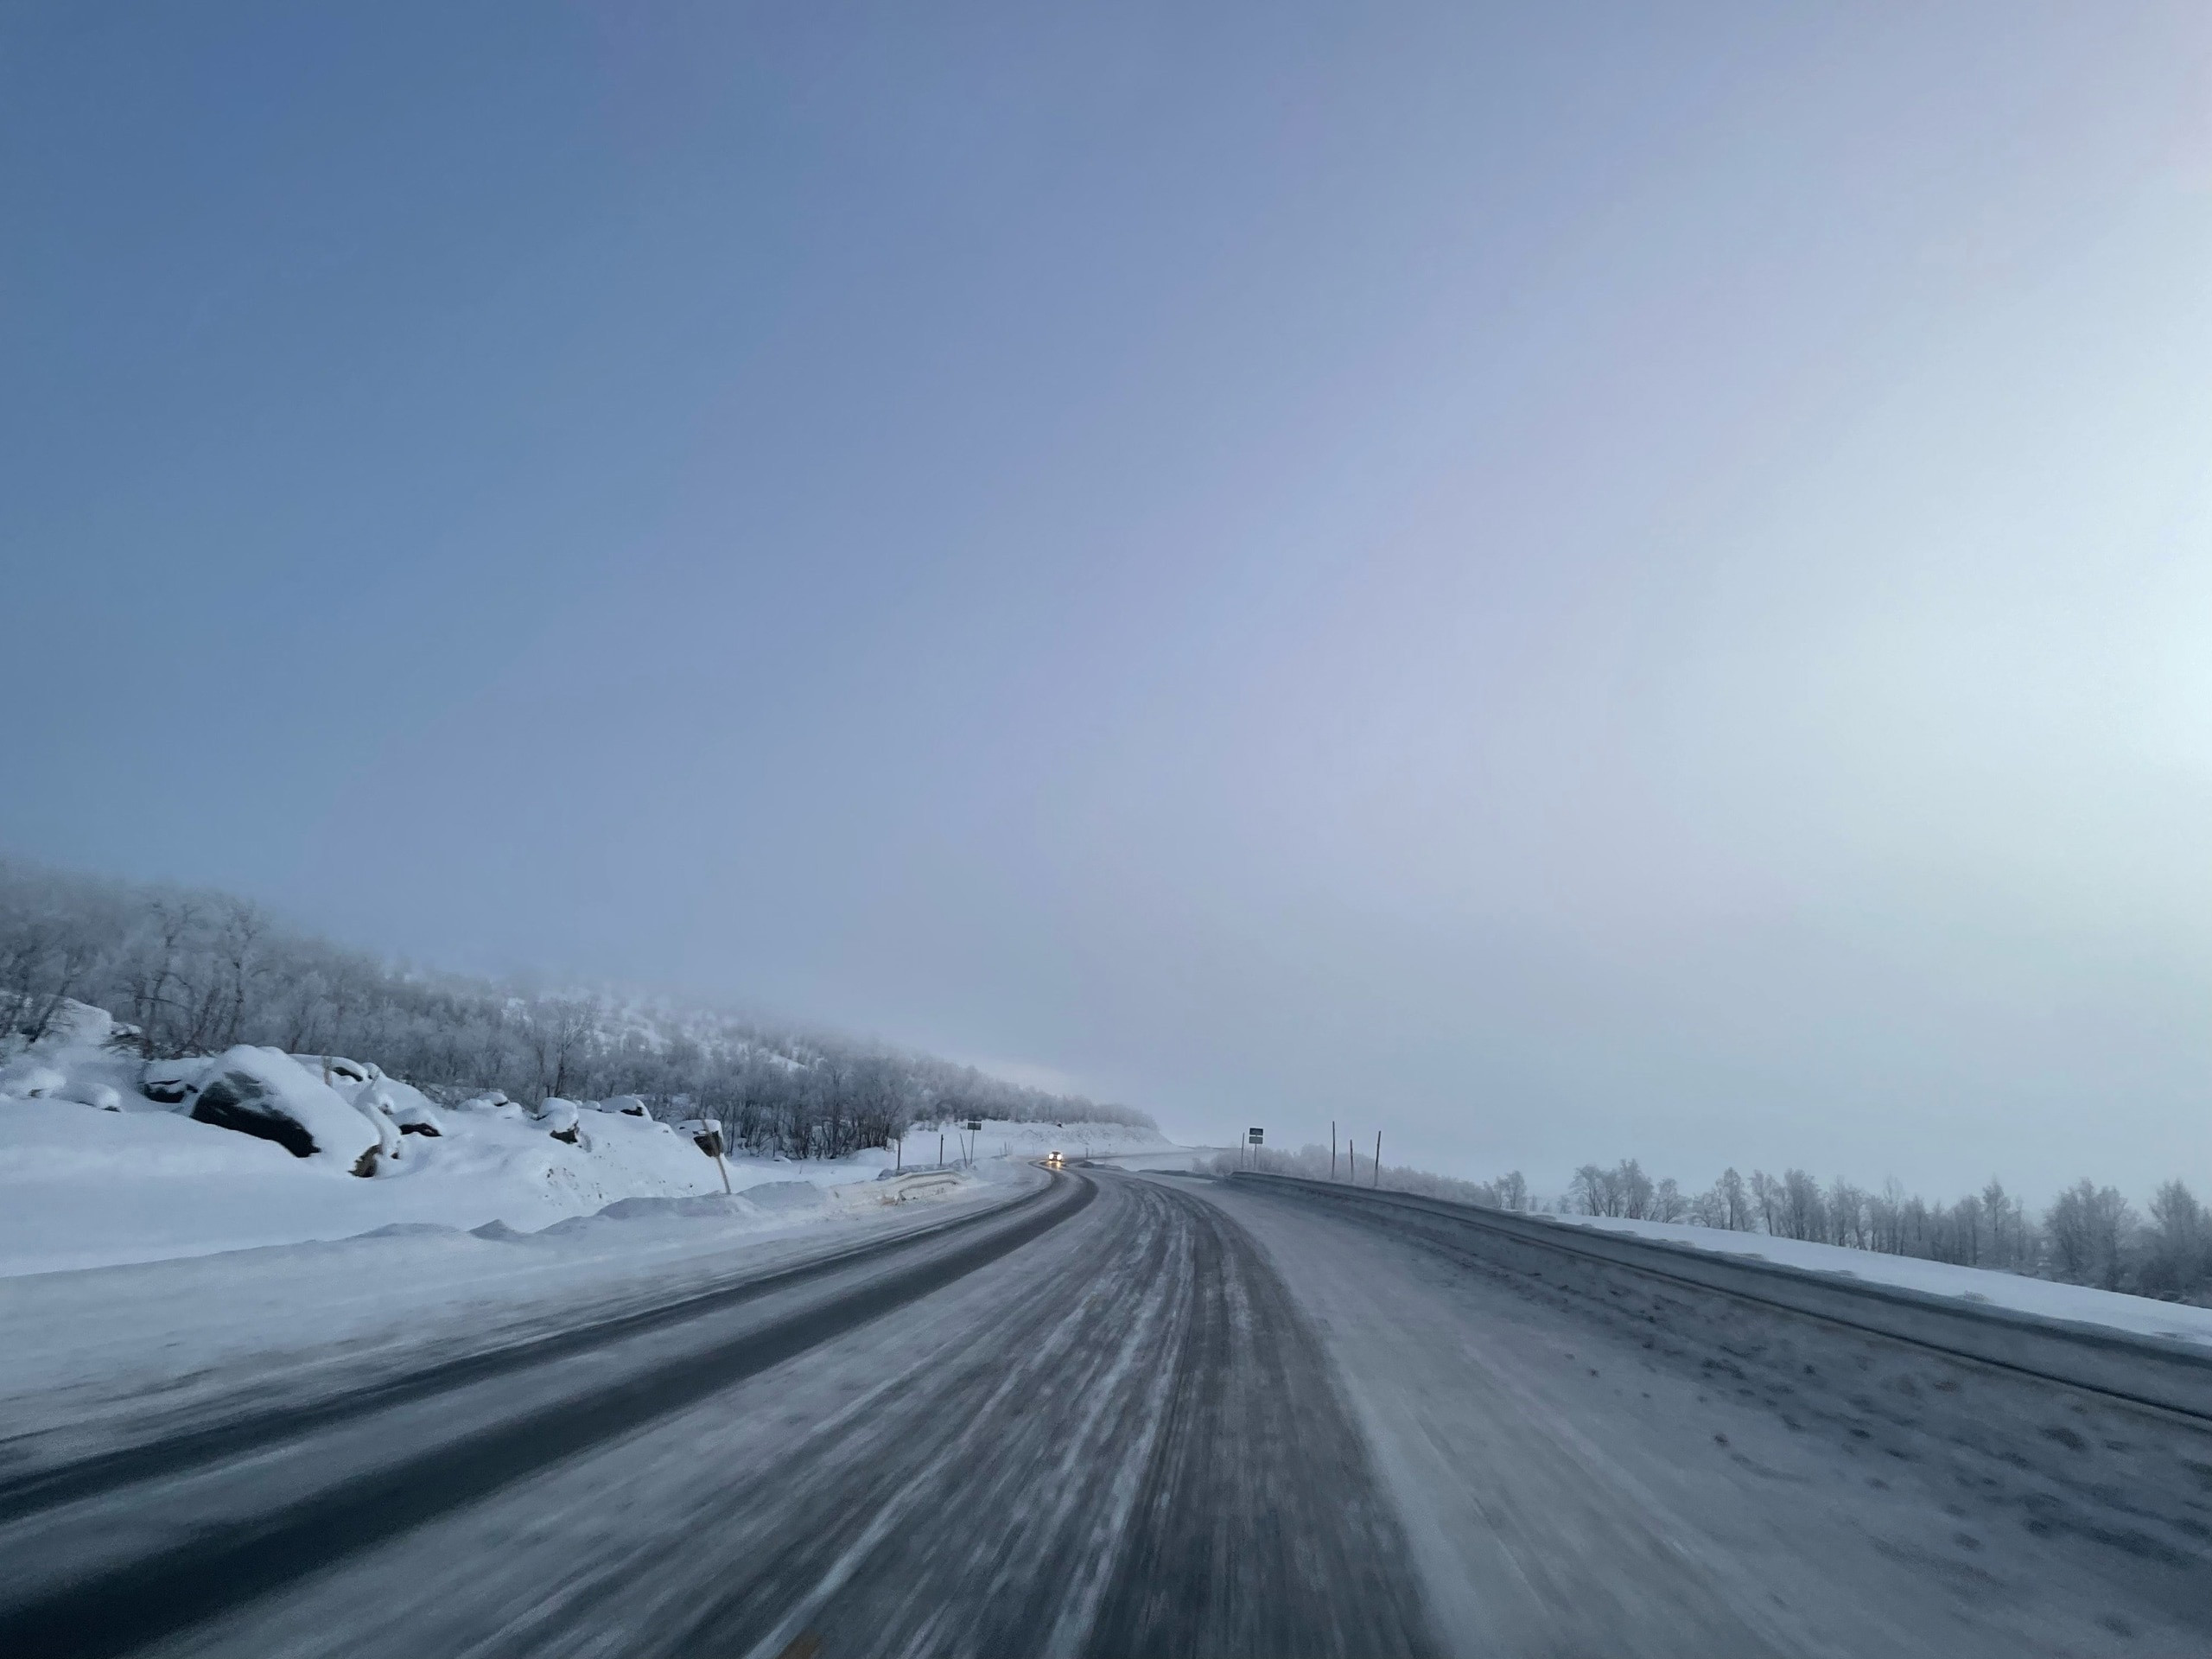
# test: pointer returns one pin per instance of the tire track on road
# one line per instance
(1148, 1454)
(1261, 1528)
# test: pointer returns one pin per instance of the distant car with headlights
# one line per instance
(1054, 1161)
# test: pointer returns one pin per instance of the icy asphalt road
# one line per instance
(1141, 1415)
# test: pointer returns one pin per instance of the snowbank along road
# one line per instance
(1139, 1414)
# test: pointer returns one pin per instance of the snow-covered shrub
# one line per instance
(27, 1078)
(79, 1024)
(104, 1095)
(373, 1101)
(408, 1109)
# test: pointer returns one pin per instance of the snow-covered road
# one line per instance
(1132, 1415)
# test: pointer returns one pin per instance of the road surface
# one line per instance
(1131, 1415)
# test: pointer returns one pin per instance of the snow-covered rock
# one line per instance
(260, 1092)
(170, 1083)
(559, 1116)
(105, 1157)
(417, 1116)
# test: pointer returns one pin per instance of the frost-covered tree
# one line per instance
(2087, 1227)
(2177, 1247)
(193, 973)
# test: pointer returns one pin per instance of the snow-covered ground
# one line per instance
(83, 1188)
(95, 1172)
(206, 1332)
(2138, 1314)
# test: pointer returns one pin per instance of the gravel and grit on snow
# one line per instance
(2139, 1315)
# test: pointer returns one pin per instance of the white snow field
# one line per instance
(2139, 1315)
(95, 1172)
(206, 1332)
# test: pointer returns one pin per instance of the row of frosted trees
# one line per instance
(2089, 1235)
(194, 973)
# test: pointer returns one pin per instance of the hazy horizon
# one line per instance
(1565, 583)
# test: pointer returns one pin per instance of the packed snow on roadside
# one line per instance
(105, 1159)
(216, 1333)
(2138, 1314)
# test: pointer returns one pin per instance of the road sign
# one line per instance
(1255, 1136)
(974, 1126)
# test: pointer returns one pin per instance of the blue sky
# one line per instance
(1567, 581)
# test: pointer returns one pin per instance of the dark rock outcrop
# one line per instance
(234, 1100)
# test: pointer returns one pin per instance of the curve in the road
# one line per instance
(115, 1612)
(1145, 1453)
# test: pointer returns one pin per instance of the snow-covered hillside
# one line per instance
(105, 1159)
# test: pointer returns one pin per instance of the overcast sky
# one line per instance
(1562, 580)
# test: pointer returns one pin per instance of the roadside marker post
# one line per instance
(707, 1135)
(1378, 1182)
(1254, 1138)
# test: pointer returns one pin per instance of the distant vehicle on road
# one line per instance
(1055, 1161)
